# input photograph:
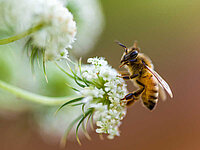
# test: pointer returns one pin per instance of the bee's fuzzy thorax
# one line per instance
(146, 59)
(136, 67)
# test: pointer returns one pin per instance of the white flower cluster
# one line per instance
(59, 29)
(104, 95)
(90, 22)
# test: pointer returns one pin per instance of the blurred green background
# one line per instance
(169, 33)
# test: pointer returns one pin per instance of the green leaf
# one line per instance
(73, 72)
(32, 58)
(96, 84)
(81, 85)
(44, 64)
(90, 117)
(38, 58)
(81, 118)
(79, 64)
(81, 121)
(101, 80)
(77, 104)
(83, 109)
(72, 87)
(67, 103)
(91, 121)
(64, 71)
(84, 128)
(64, 138)
(74, 76)
(84, 80)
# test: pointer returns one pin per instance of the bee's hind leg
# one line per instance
(132, 97)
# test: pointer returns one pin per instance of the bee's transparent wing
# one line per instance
(162, 93)
(160, 80)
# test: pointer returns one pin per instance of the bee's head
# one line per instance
(129, 55)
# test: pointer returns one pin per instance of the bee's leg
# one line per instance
(135, 97)
(125, 77)
(132, 97)
(123, 73)
(129, 77)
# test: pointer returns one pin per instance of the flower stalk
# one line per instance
(21, 35)
(26, 95)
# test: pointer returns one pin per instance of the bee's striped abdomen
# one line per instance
(150, 95)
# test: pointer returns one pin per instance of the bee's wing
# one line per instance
(160, 80)
(162, 93)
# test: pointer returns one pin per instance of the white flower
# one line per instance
(97, 61)
(58, 30)
(92, 91)
(87, 99)
(64, 54)
(104, 94)
(99, 95)
(90, 22)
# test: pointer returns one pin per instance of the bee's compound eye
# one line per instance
(126, 50)
(133, 54)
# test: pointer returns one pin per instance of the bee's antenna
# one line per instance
(120, 44)
(135, 44)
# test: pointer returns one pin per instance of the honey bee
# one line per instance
(142, 73)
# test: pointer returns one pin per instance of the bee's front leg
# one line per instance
(129, 77)
(123, 73)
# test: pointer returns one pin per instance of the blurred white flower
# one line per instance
(58, 28)
(89, 17)
(53, 126)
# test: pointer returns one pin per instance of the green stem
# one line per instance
(35, 97)
(21, 35)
